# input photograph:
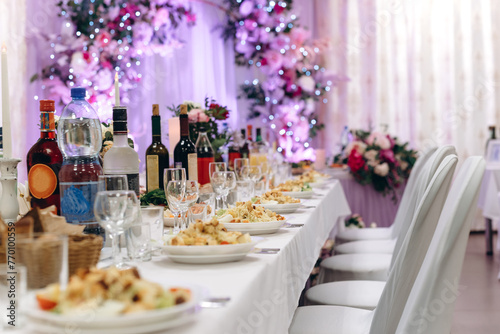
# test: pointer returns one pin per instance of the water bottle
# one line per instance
(80, 139)
(345, 138)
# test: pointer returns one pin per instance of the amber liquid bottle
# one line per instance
(44, 161)
(157, 157)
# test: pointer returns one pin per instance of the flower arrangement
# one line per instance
(209, 117)
(101, 37)
(354, 221)
(378, 159)
(268, 35)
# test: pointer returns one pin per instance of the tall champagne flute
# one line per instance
(115, 211)
(190, 197)
(174, 192)
(216, 167)
(238, 166)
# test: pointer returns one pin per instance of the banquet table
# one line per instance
(365, 201)
(489, 202)
(264, 289)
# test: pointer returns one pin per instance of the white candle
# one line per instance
(320, 162)
(117, 90)
(7, 139)
(174, 133)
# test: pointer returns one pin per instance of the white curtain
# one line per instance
(428, 69)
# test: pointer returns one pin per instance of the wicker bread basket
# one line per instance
(84, 251)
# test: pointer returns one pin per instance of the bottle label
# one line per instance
(193, 166)
(77, 201)
(152, 172)
(133, 183)
(47, 122)
(42, 181)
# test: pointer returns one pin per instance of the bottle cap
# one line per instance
(156, 110)
(78, 92)
(184, 109)
(47, 105)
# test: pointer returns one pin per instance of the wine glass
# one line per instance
(216, 167)
(207, 198)
(190, 197)
(223, 182)
(174, 192)
(238, 165)
(112, 182)
(253, 173)
(116, 210)
(244, 190)
(176, 174)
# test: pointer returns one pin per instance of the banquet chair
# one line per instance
(394, 311)
(406, 204)
(431, 303)
(366, 294)
(375, 267)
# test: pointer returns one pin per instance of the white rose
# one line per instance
(371, 155)
(404, 165)
(373, 163)
(358, 145)
(307, 83)
(382, 169)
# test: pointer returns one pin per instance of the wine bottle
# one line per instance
(121, 158)
(44, 162)
(185, 152)
(157, 158)
(493, 136)
(244, 148)
(205, 155)
(233, 149)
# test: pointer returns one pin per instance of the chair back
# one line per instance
(422, 182)
(407, 202)
(413, 250)
(431, 303)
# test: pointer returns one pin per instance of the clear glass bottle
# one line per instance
(121, 158)
(205, 155)
(80, 139)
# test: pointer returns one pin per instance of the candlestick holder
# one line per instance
(9, 207)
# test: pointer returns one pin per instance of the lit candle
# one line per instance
(7, 139)
(320, 162)
(117, 90)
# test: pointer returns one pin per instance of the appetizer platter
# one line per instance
(276, 201)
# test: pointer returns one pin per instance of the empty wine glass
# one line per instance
(238, 165)
(112, 182)
(174, 191)
(207, 198)
(190, 197)
(173, 174)
(223, 182)
(216, 167)
(252, 173)
(244, 190)
(115, 211)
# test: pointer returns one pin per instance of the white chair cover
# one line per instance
(388, 314)
(408, 261)
(430, 305)
(376, 266)
(404, 206)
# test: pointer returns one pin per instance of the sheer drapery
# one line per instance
(425, 68)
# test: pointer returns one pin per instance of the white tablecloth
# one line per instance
(264, 289)
(489, 200)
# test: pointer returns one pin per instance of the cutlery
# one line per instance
(294, 225)
(266, 250)
(214, 302)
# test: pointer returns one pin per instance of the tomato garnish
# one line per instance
(45, 304)
(224, 243)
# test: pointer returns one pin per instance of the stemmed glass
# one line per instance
(176, 174)
(116, 211)
(253, 173)
(223, 182)
(190, 197)
(174, 192)
(112, 182)
(216, 167)
(238, 166)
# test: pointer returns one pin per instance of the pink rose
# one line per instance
(274, 60)
(197, 115)
(376, 138)
(387, 155)
(246, 8)
(162, 17)
(298, 36)
(250, 24)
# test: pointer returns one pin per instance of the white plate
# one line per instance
(281, 208)
(207, 259)
(211, 250)
(256, 228)
(299, 194)
(136, 320)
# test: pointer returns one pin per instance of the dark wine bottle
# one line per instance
(205, 155)
(244, 148)
(157, 158)
(44, 161)
(185, 152)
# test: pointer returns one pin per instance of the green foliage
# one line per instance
(154, 197)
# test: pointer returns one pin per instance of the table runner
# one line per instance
(264, 288)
